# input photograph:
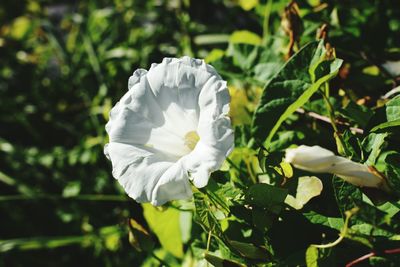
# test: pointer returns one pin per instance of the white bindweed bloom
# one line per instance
(172, 126)
(319, 160)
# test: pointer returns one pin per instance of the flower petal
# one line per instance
(146, 176)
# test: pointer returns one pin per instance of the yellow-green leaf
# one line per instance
(248, 4)
(287, 169)
(307, 188)
(165, 224)
(20, 27)
(245, 37)
(312, 256)
(214, 55)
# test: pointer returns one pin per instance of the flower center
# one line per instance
(191, 139)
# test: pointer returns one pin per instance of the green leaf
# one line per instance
(373, 144)
(319, 257)
(204, 215)
(186, 225)
(214, 55)
(350, 145)
(347, 195)
(392, 117)
(266, 196)
(165, 224)
(104, 236)
(139, 237)
(357, 113)
(386, 126)
(290, 89)
(207, 39)
(379, 261)
(244, 55)
(20, 27)
(262, 220)
(312, 256)
(245, 37)
(264, 72)
(376, 217)
(332, 222)
(393, 109)
(287, 169)
(121, 52)
(318, 57)
(391, 168)
(41, 243)
(72, 189)
(250, 251)
(248, 4)
(220, 262)
(285, 139)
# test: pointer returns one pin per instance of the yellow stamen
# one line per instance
(191, 139)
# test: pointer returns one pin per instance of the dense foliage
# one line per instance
(312, 72)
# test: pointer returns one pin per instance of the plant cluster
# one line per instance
(309, 72)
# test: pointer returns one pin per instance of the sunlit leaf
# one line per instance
(214, 55)
(307, 188)
(373, 144)
(312, 256)
(239, 111)
(165, 224)
(386, 126)
(20, 27)
(245, 37)
(393, 109)
(248, 4)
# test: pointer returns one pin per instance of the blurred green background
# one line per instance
(64, 64)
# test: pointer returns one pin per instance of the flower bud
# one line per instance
(319, 160)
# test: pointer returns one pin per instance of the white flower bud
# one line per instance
(319, 160)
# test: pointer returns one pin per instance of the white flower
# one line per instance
(172, 126)
(319, 160)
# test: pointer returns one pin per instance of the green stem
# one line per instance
(178, 208)
(343, 232)
(163, 263)
(331, 112)
(208, 241)
(233, 164)
(50, 242)
(267, 15)
(89, 197)
(216, 200)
